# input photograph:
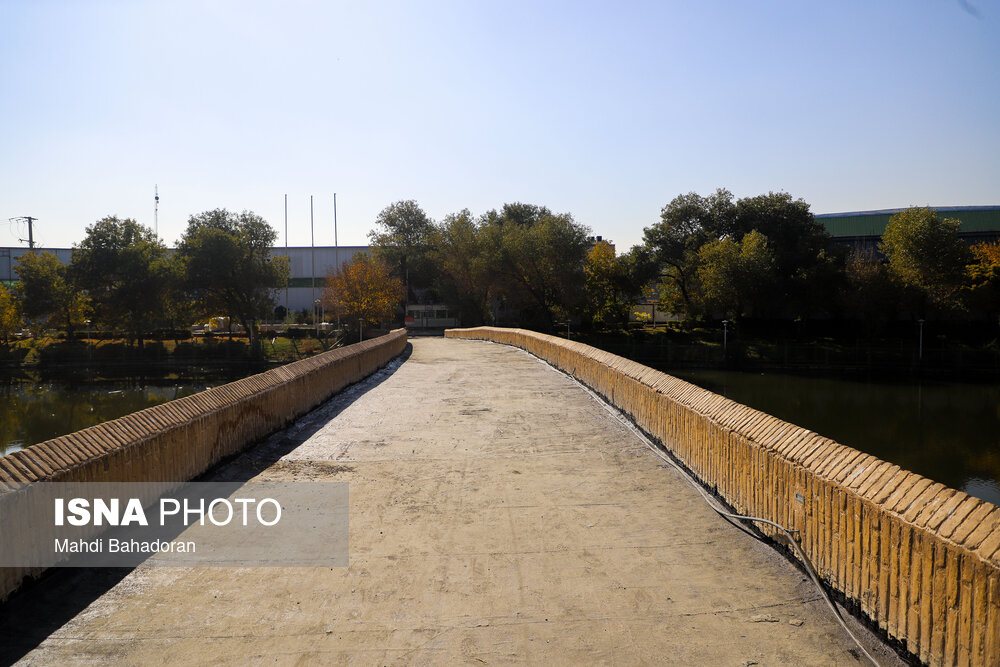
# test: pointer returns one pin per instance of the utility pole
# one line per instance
(336, 248)
(156, 210)
(286, 254)
(31, 231)
(312, 245)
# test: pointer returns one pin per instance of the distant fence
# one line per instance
(919, 559)
(181, 439)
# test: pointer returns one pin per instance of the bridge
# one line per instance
(500, 512)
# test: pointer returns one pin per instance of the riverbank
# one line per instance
(933, 418)
(50, 387)
(943, 351)
(49, 352)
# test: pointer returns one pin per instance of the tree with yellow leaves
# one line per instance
(363, 289)
(983, 279)
(10, 318)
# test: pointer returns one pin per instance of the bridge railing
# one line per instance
(918, 559)
(181, 439)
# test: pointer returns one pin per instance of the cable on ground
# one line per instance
(713, 503)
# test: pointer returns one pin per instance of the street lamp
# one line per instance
(361, 326)
(920, 348)
(90, 343)
(725, 335)
(316, 316)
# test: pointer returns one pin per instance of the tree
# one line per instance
(46, 295)
(926, 254)
(402, 238)
(737, 278)
(608, 281)
(228, 267)
(363, 289)
(10, 318)
(181, 307)
(538, 258)
(465, 279)
(983, 278)
(871, 292)
(122, 267)
(806, 261)
(687, 223)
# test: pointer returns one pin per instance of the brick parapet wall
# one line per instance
(919, 559)
(181, 439)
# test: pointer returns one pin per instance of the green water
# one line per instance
(35, 408)
(947, 431)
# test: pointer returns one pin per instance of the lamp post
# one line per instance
(725, 336)
(90, 343)
(920, 346)
(361, 326)
(316, 316)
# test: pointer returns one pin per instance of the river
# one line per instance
(947, 431)
(35, 407)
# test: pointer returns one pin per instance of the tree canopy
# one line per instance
(538, 261)
(123, 268)
(464, 267)
(701, 239)
(228, 267)
(46, 295)
(737, 278)
(362, 289)
(983, 276)
(10, 317)
(402, 238)
(926, 254)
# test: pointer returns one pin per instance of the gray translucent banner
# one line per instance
(197, 524)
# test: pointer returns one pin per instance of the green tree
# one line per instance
(611, 284)
(402, 238)
(926, 254)
(46, 295)
(465, 279)
(228, 268)
(538, 258)
(686, 224)
(181, 306)
(807, 263)
(10, 317)
(122, 267)
(737, 278)
(871, 293)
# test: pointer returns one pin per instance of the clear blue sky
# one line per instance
(606, 110)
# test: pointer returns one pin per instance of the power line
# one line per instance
(31, 231)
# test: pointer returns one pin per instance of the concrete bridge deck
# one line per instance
(499, 514)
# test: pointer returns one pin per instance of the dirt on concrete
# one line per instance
(498, 514)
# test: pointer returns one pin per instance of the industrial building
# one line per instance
(864, 228)
(308, 269)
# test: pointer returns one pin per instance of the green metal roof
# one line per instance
(872, 223)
